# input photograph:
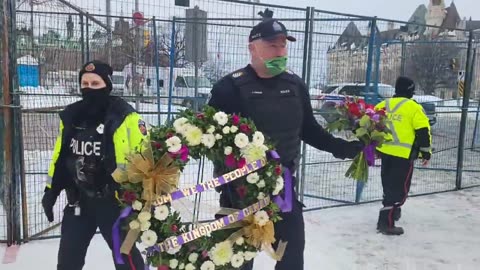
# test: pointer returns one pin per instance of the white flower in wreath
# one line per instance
(258, 138)
(174, 251)
(228, 150)
(144, 217)
(233, 129)
(253, 178)
(261, 196)
(241, 140)
(173, 263)
(252, 152)
(145, 226)
(211, 129)
(190, 267)
(240, 241)
(174, 144)
(237, 260)
(137, 205)
(149, 238)
(193, 257)
(134, 225)
(261, 184)
(261, 218)
(208, 140)
(181, 266)
(278, 186)
(179, 124)
(208, 265)
(221, 118)
(193, 135)
(226, 130)
(221, 253)
(249, 255)
(161, 212)
(218, 137)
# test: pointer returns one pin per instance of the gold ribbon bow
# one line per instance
(157, 178)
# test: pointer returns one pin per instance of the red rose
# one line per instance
(235, 120)
(201, 116)
(370, 106)
(354, 110)
(230, 161)
(204, 254)
(157, 145)
(163, 267)
(169, 135)
(245, 129)
(242, 191)
(270, 213)
(278, 170)
(174, 228)
(129, 196)
(241, 163)
(381, 112)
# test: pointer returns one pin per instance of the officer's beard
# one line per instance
(96, 101)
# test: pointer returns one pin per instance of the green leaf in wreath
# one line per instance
(365, 121)
(378, 135)
(361, 132)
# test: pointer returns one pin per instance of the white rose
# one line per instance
(174, 251)
(179, 124)
(233, 129)
(134, 225)
(278, 186)
(190, 267)
(253, 178)
(240, 241)
(237, 260)
(249, 255)
(241, 140)
(208, 140)
(261, 218)
(144, 217)
(145, 226)
(261, 184)
(149, 238)
(261, 196)
(137, 205)
(208, 265)
(218, 136)
(228, 150)
(174, 144)
(182, 266)
(221, 118)
(161, 212)
(258, 138)
(226, 130)
(173, 263)
(211, 129)
(193, 257)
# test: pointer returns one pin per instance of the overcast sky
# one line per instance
(390, 9)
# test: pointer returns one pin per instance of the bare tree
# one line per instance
(429, 64)
(165, 48)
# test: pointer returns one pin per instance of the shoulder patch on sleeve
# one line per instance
(142, 127)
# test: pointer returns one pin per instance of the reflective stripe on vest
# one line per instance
(396, 140)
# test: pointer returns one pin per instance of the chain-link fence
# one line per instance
(168, 58)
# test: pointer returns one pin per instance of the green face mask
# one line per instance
(276, 65)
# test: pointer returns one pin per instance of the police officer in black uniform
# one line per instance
(278, 102)
(93, 138)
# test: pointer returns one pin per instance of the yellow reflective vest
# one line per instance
(124, 131)
(406, 116)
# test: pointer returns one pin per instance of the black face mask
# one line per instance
(96, 100)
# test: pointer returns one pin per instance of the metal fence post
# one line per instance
(87, 56)
(172, 66)
(82, 38)
(403, 60)
(306, 74)
(371, 43)
(463, 121)
(157, 70)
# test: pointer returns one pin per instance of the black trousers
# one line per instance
(291, 229)
(396, 179)
(77, 231)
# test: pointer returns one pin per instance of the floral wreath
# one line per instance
(150, 182)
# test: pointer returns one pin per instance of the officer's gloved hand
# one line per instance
(425, 156)
(48, 201)
(355, 147)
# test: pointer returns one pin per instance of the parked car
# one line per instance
(338, 92)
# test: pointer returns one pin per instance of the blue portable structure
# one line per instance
(28, 71)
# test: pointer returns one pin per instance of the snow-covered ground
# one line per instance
(441, 234)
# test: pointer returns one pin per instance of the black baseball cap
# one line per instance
(268, 30)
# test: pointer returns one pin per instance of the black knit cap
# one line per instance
(100, 68)
(404, 87)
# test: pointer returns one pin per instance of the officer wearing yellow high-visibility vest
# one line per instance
(95, 136)
(410, 140)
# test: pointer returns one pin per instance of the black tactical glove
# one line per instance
(48, 201)
(425, 155)
(354, 148)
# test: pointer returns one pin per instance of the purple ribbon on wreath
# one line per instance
(369, 152)
(285, 204)
(116, 235)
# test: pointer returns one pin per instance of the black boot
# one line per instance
(397, 214)
(386, 223)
